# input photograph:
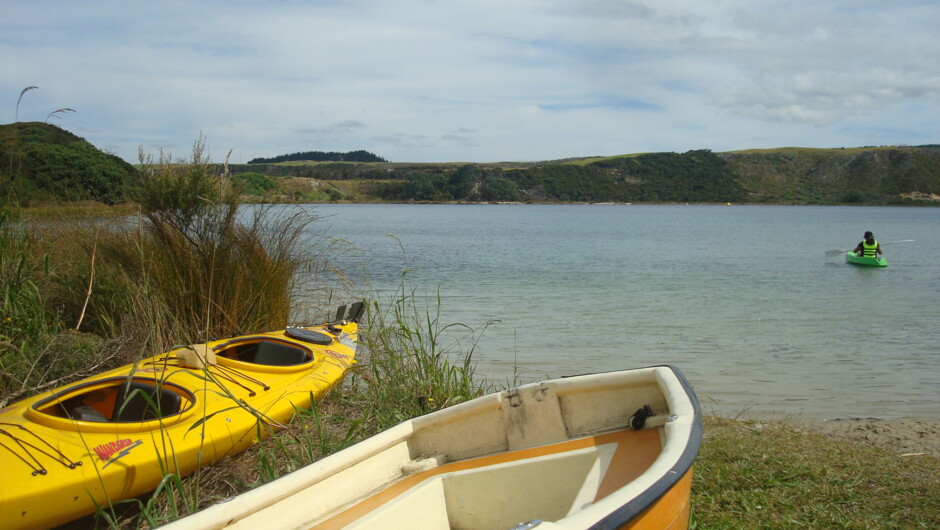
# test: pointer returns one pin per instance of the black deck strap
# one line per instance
(61, 458)
(228, 373)
(37, 467)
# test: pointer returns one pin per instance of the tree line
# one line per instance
(321, 156)
(695, 176)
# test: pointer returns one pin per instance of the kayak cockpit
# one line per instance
(266, 353)
(114, 401)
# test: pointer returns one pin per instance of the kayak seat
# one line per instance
(85, 413)
(142, 402)
(277, 354)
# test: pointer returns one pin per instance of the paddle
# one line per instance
(831, 253)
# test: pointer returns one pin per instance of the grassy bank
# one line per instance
(775, 474)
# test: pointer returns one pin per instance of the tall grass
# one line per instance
(189, 266)
(36, 351)
(415, 363)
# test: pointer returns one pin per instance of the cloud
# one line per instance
(334, 128)
(462, 137)
(484, 80)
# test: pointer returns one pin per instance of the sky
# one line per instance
(473, 80)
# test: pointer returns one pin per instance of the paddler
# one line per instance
(868, 247)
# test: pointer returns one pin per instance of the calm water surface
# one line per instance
(741, 298)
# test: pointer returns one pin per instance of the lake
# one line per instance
(741, 298)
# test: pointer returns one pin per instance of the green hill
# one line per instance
(41, 163)
(882, 175)
(875, 175)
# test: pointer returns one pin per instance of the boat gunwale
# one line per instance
(683, 464)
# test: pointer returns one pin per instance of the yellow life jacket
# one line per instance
(870, 251)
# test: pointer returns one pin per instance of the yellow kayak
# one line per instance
(115, 436)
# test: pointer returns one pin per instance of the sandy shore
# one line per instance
(904, 436)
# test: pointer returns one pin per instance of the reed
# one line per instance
(190, 266)
(36, 350)
(416, 364)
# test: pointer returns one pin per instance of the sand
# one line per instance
(908, 437)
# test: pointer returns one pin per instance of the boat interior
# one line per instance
(469, 466)
(569, 476)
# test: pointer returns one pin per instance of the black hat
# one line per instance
(869, 234)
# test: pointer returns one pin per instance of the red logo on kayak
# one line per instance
(117, 449)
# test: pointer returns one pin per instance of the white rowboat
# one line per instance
(605, 450)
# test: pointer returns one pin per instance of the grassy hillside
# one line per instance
(886, 175)
(790, 175)
(41, 163)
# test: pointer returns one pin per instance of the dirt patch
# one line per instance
(920, 196)
(904, 436)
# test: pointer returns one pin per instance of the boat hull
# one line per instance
(863, 261)
(566, 453)
(115, 436)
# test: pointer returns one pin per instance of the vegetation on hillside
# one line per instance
(41, 163)
(875, 176)
(320, 156)
(847, 176)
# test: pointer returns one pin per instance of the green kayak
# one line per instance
(850, 257)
